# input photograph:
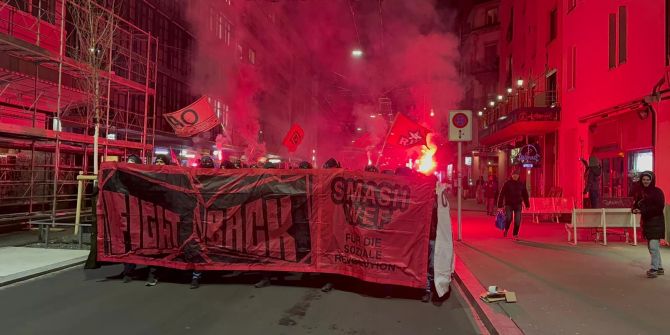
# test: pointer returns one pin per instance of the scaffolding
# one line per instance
(47, 121)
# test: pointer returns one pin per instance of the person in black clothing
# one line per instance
(592, 181)
(512, 195)
(650, 202)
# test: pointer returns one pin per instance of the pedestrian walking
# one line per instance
(592, 181)
(479, 190)
(512, 196)
(490, 191)
(650, 203)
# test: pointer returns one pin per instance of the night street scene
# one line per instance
(345, 167)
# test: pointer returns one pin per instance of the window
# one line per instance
(219, 26)
(252, 56)
(240, 51)
(553, 24)
(551, 90)
(623, 44)
(491, 54)
(20, 4)
(491, 16)
(45, 10)
(228, 33)
(510, 27)
(572, 68)
(612, 41)
(618, 37)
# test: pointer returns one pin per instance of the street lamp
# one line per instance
(519, 83)
(492, 103)
(500, 97)
(358, 53)
(480, 113)
(509, 90)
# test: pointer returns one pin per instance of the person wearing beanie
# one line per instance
(512, 196)
(650, 203)
(206, 162)
(162, 160)
(133, 159)
(332, 163)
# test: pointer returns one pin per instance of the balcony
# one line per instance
(525, 113)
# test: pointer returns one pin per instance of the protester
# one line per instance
(162, 160)
(304, 165)
(479, 189)
(371, 168)
(490, 191)
(592, 181)
(228, 165)
(91, 263)
(331, 163)
(129, 268)
(152, 278)
(650, 203)
(206, 162)
(513, 194)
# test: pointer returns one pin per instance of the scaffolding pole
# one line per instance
(57, 123)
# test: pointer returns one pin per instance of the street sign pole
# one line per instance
(460, 130)
(460, 187)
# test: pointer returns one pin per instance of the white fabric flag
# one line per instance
(444, 244)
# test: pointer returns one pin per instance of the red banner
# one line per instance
(407, 133)
(370, 226)
(293, 138)
(193, 119)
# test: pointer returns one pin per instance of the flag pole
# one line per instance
(381, 153)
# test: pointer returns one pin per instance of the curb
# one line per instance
(495, 322)
(33, 273)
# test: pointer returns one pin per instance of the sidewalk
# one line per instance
(562, 288)
(18, 262)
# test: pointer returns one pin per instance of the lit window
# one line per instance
(252, 56)
(228, 33)
(219, 26)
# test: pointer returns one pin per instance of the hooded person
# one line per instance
(133, 159)
(512, 196)
(371, 168)
(206, 162)
(305, 165)
(650, 203)
(162, 160)
(331, 163)
(228, 165)
(592, 180)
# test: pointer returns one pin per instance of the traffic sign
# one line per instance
(460, 125)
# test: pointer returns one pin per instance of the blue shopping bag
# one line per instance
(500, 220)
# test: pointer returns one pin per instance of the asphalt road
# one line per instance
(78, 301)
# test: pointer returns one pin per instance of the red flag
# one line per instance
(193, 119)
(293, 138)
(174, 158)
(407, 133)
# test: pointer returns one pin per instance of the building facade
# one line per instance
(580, 79)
